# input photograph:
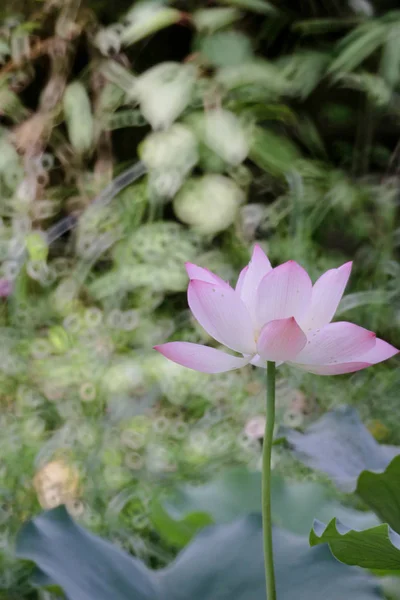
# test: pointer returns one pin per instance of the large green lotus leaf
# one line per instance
(234, 493)
(381, 491)
(86, 567)
(340, 445)
(377, 548)
(237, 492)
(224, 562)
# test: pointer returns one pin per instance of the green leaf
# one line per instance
(357, 49)
(224, 562)
(209, 20)
(377, 548)
(146, 18)
(381, 491)
(357, 299)
(308, 133)
(374, 86)
(273, 153)
(258, 6)
(78, 116)
(238, 492)
(391, 587)
(226, 48)
(264, 112)
(295, 506)
(340, 445)
(85, 566)
(390, 60)
(177, 531)
(164, 91)
(232, 494)
(209, 204)
(255, 73)
(304, 70)
(318, 26)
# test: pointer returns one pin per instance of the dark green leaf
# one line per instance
(272, 153)
(390, 61)
(258, 6)
(224, 562)
(318, 26)
(358, 48)
(177, 531)
(377, 548)
(381, 491)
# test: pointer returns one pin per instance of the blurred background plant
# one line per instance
(134, 138)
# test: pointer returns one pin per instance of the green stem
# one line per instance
(266, 483)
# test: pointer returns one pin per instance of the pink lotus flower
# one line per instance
(275, 315)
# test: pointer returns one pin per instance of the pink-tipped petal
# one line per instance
(337, 343)
(380, 352)
(248, 283)
(284, 292)
(241, 279)
(326, 295)
(336, 369)
(201, 358)
(221, 312)
(281, 340)
(196, 272)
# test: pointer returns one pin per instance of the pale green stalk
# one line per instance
(266, 483)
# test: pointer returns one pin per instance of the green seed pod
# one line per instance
(78, 116)
(59, 339)
(36, 245)
(209, 204)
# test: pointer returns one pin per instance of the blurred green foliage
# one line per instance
(134, 138)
